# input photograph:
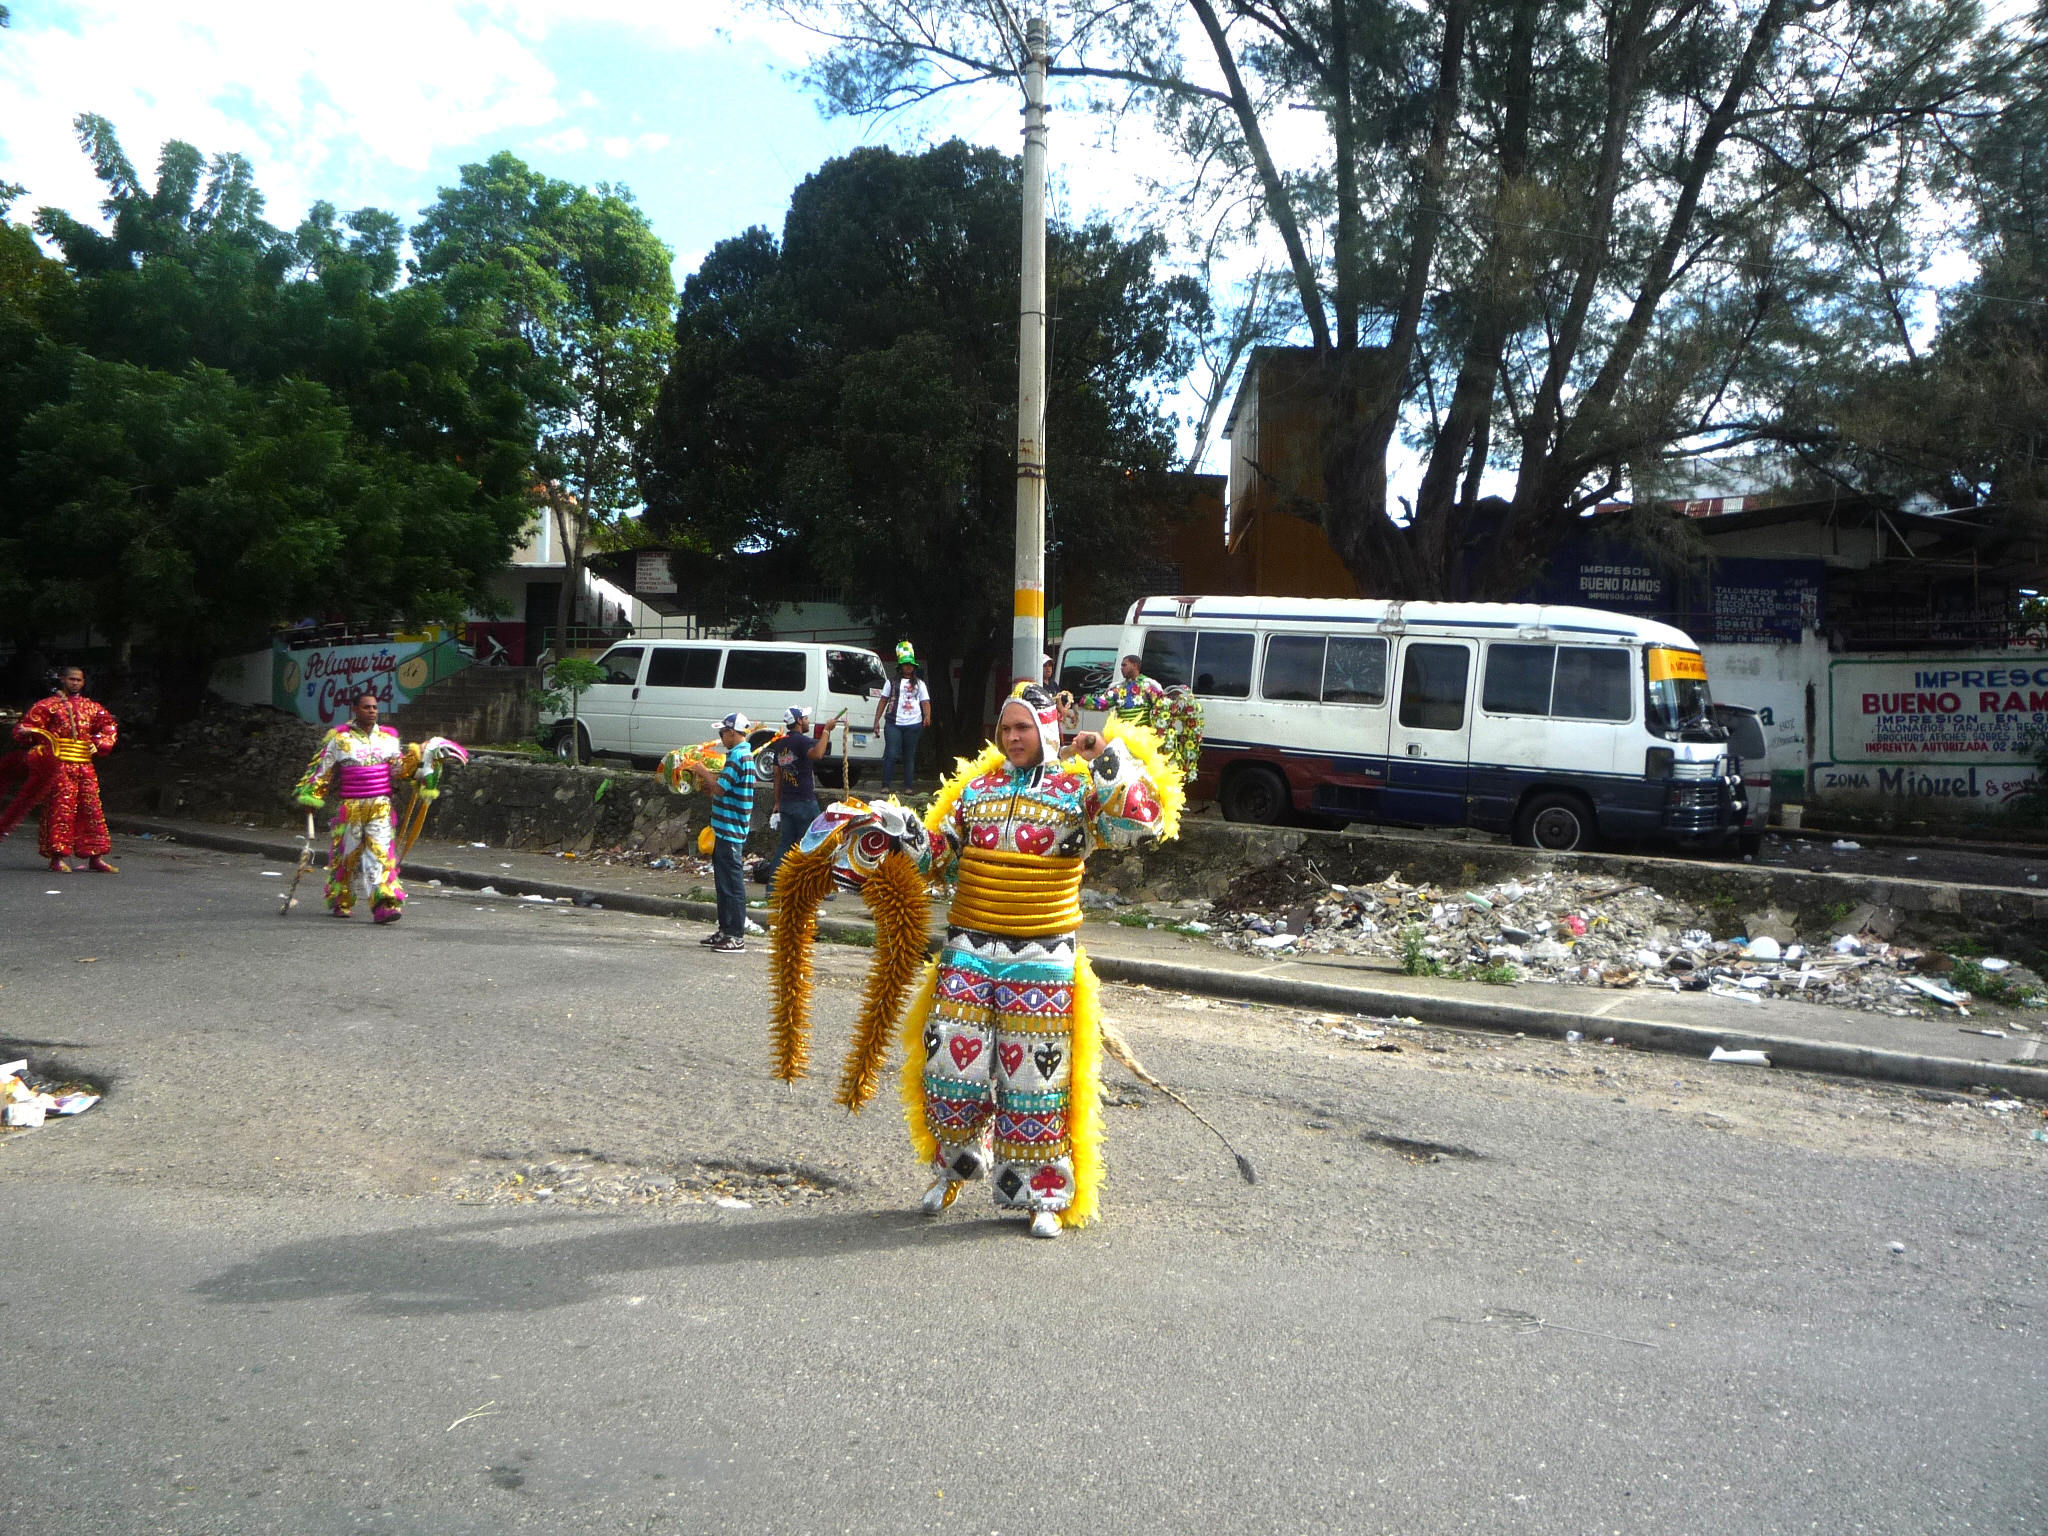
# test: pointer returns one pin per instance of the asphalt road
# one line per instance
(296, 1274)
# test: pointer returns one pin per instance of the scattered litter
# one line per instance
(1843, 845)
(1898, 1247)
(754, 927)
(529, 896)
(53, 893)
(1995, 965)
(1989, 1034)
(1938, 992)
(489, 890)
(728, 1203)
(1573, 1037)
(1276, 940)
(26, 1104)
(2001, 1106)
(1739, 1058)
(273, 874)
(479, 845)
(1766, 948)
(504, 866)
(2038, 1136)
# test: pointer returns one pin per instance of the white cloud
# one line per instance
(621, 147)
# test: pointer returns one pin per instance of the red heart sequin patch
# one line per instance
(1034, 837)
(984, 834)
(1139, 804)
(1013, 1057)
(966, 1049)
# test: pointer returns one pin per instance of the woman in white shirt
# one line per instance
(907, 707)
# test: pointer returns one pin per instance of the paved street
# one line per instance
(298, 1274)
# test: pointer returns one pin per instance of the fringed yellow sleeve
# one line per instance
(922, 1141)
(1084, 1097)
(800, 884)
(895, 894)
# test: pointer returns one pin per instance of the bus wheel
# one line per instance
(1256, 795)
(1560, 822)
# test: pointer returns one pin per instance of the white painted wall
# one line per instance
(243, 679)
(1772, 679)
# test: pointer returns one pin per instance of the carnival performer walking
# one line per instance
(1132, 697)
(65, 732)
(1001, 1078)
(360, 762)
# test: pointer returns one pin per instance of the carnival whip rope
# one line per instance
(1117, 1046)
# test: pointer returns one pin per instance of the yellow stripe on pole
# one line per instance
(1028, 603)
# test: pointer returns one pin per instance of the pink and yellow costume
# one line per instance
(361, 767)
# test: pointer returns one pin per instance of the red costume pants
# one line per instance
(73, 822)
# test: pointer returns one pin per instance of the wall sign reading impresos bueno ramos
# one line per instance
(1941, 728)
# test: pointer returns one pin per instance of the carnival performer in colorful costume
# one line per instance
(360, 762)
(1001, 1077)
(1132, 697)
(64, 733)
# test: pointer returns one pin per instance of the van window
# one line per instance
(1223, 665)
(1294, 668)
(1087, 670)
(855, 672)
(620, 664)
(1355, 672)
(1433, 687)
(764, 671)
(689, 667)
(1169, 657)
(1518, 679)
(1592, 683)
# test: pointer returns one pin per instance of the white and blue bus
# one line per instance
(1565, 727)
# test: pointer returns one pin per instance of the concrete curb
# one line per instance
(1690, 1040)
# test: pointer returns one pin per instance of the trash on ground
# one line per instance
(26, 1104)
(1843, 845)
(1739, 1058)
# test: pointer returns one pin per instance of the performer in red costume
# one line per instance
(71, 730)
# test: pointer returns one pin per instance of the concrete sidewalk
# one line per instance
(1934, 1052)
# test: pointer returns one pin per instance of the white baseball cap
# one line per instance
(796, 714)
(736, 722)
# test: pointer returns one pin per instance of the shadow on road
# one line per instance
(521, 1264)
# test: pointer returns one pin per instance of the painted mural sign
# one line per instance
(1948, 728)
(1766, 599)
(315, 683)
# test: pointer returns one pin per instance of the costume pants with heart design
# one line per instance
(998, 1066)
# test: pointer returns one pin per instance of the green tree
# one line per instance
(841, 408)
(578, 276)
(209, 426)
(1568, 240)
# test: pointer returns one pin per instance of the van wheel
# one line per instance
(1256, 795)
(1559, 822)
(564, 742)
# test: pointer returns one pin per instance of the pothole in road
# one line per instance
(583, 1180)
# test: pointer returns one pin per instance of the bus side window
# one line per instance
(1223, 665)
(1593, 683)
(1169, 657)
(1355, 672)
(1433, 681)
(1294, 668)
(1518, 679)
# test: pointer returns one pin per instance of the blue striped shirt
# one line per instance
(732, 813)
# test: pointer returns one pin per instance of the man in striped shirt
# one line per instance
(732, 816)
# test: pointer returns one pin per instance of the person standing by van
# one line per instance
(905, 710)
(796, 789)
(732, 816)
(1133, 696)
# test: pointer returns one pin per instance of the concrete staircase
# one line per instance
(476, 706)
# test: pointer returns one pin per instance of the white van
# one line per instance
(1561, 726)
(661, 694)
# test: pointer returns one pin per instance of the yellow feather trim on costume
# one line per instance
(1084, 1097)
(965, 772)
(895, 894)
(922, 1141)
(800, 885)
(1143, 743)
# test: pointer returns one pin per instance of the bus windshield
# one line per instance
(1680, 707)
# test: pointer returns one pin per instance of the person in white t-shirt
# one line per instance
(905, 710)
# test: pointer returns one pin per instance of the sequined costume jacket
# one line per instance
(360, 767)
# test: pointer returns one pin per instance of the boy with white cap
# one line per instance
(732, 815)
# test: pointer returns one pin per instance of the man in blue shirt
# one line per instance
(796, 786)
(732, 815)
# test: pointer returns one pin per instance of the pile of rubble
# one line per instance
(1592, 930)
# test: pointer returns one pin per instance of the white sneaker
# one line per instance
(1046, 1224)
(939, 1196)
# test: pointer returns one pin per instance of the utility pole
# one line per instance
(1027, 623)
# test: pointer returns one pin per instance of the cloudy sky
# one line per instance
(380, 101)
